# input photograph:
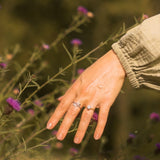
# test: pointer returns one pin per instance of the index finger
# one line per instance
(63, 106)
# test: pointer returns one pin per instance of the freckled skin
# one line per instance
(97, 86)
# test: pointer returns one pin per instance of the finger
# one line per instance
(84, 122)
(102, 119)
(69, 118)
(62, 107)
(60, 98)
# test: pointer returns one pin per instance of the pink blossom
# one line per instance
(3, 65)
(155, 116)
(31, 112)
(76, 42)
(79, 71)
(145, 16)
(95, 116)
(73, 151)
(82, 10)
(38, 103)
(54, 132)
(46, 46)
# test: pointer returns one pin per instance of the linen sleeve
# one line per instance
(139, 53)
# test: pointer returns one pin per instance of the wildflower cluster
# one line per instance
(24, 112)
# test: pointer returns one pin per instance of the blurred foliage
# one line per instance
(30, 23)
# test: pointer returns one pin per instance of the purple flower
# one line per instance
(158, 146)
(95, 116)
(131, 136)
(38, 103)
(155, 116)
(31, 112)
(79, 71)
(76, 42)
(54, 132)
(45, 46)
(14, 103)
(3, 65)
(157, 150)
(82, 10)
(73, 151)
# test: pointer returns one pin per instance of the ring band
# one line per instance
(76, 104)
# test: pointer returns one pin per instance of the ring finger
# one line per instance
(85, 120)
(69, 118)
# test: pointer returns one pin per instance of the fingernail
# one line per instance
(59, 98)
(60, 136)
(76, 140)
(49, 126)
(96, 137)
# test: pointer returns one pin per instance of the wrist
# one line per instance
(112, 57)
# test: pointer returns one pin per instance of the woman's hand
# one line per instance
(97, 86)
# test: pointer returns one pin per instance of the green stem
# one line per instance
(86, 140)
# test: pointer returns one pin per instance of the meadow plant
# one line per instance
(24, 113)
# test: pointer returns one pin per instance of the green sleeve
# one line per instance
(139, 53)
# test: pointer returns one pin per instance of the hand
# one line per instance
(97, 86)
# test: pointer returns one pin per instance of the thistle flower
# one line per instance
(157, 150)
(31, 112)
(79, 71)
(73, 151)
(82, 10)
(16, 91)
(95, 116)
(38, 103)
(76, 42)
(145, 16)
(14, 103)
(155, 117)
(90, 14)
(158, 146)
(131, 136)
(54, 132)
(46, 46)
(9, 56)
(59, 145)
(3, 65)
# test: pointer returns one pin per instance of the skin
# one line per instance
(98, 86)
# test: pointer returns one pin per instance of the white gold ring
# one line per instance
(76, 104)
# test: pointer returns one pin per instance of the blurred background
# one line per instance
(29, 23)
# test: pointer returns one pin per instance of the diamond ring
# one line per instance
(89, 107)
(76, 104)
